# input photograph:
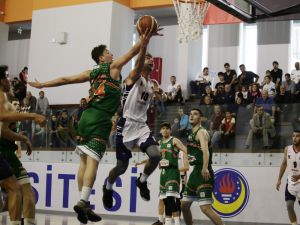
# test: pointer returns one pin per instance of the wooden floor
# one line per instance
(70, 219)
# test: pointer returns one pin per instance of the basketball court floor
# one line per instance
(46, 218)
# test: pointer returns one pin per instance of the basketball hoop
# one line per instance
(190, 15)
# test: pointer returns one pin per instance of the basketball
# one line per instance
(145, 22)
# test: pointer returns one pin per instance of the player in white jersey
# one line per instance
(291, 161)
(132, 129)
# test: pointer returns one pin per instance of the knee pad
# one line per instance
(170, 205)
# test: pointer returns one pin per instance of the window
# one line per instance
(205, 47)
(248, 46)
(295, 43)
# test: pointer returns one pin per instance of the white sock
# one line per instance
(15, 223)
(176, 220)
(85, 193)
(168, 221)
(29, 221)
(143, 178)
(109, 186)
(161, 218)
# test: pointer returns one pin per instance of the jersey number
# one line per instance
(145, 96)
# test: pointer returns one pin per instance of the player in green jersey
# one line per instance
(201, 180)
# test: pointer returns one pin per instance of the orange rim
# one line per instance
(192, 1)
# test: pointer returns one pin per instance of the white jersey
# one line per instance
(136, 100)
(293, 163)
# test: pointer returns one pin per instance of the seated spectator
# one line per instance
(207, 110)
(269, 86)
(66, 131)
(297, 93)
(174, 91)
(220, 95)
(246, 78)
(244, 94)
(32, 101)
(230, 76)
(276, 74)
(267, 103)
(254, 93)
(283, 96)
(19, 89)
(295, 74)
(202, 80)
(112, 136)
(79, 111)
(228, 129)
(221, 82)
(175, 128)
(159, 97)
(184, 124)
(215, 123)
(229, 94)
(289, 84)
(241, 113)
(261, 126)
(208, 92)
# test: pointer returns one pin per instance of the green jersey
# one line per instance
(105, 92)
(169, 154)
(194, 149)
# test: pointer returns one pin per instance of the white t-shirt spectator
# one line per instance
(172, 89)
(270, 87)
(295, 76)
(200, 77)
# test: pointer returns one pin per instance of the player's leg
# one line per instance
(290, 199)
(9, 182)
(170, 208)
(28, 198)
(208, 211)
(186, 212)
(81, 170)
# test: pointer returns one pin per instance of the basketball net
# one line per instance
(190, 15)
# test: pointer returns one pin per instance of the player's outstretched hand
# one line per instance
(278, 185)
(35, 84)
(158, 30)
(41, 120)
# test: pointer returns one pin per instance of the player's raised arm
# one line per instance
(282, 169)
(179, 145)
(64, 80)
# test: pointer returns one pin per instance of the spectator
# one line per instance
(19, 89)
(215, 123)
(254, 93)
(159, 98)
(24, 75)
(208, 92)
(184, 124)
(297, 93)
(82, 107)
(175, 128)
(246, 78)
(227, 128)
(230, 76)
(261, 126)
(207, 110)
(220, 95)
(283, 100)
(112, 136)
(42, 104)
(202, 80)
(222, 80)
(31, 101)
(296, 122)
(244, 94)
(65, 129)
(269, 86)
(26, 126)
(295, 74)
(174, 91)
(266, 103)
(276, 74)
(54, 138)
(289, 84)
